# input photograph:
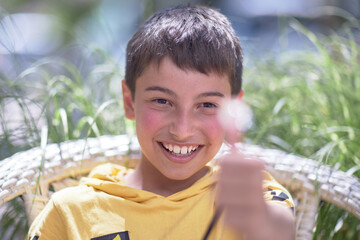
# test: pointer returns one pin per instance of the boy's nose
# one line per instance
(182, 126)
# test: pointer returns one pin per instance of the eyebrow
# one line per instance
(161, 89)
(210, 94)
(172, 93)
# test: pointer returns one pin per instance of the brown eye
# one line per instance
(160, 101)
(208, 105)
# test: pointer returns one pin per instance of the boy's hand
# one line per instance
(241, 195)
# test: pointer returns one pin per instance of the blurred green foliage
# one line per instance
(308, 103)
(69, 12)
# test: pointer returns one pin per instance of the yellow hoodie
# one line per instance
(102, 207)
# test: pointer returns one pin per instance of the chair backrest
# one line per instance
(36, 173)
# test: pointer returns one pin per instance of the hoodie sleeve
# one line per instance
(48, 224)
(275, 193)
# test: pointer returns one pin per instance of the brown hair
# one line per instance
(194, 37)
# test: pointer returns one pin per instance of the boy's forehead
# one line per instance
(167, 64)
(166, 75)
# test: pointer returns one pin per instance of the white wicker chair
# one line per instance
(35, 173)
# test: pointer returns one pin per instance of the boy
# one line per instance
(181, 65)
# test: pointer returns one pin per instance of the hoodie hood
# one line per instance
(109, 178)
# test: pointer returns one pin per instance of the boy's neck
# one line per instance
(147, 177)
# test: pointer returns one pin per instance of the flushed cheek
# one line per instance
(149, 120)
(213, 128)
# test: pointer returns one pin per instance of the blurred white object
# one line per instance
(236, 117)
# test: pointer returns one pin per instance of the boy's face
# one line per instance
(176, 117)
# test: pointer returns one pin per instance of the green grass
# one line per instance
(73, 101)
(308, 103)
(70, 101)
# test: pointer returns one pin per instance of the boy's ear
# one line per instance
(128, 101)
(241, 94)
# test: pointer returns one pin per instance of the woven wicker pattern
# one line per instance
(307, 180)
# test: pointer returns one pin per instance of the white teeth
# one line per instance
(184, 150)
(177, 149)
(180, 150)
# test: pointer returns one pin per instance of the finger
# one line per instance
(235, 167)
(237, 162)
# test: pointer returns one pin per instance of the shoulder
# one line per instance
(73, 196)
(275, 193)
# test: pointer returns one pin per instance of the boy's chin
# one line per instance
(177, 177)
(186, 176)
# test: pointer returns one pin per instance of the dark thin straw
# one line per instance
(214, 220)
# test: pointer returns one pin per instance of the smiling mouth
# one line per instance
(180, 151)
